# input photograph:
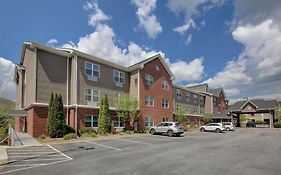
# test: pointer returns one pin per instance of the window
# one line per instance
(92, 69)
(92, 95)
(165, 119)
(178, 106)
(91, 121)
(148, 121)
(118, 77)
(165, 85)
(149, 101)
(195, 97)
(165, 103)
(178, 93)
(148, 79)
(188, 96)
(118, 122)
(116, 95)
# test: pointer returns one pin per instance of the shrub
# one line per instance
(142, 131)
(41, 137)
(129, 132)
(87, 130)
(89, 134)
(70, 136)
(67, 129)
(3, 134)
(277, 124)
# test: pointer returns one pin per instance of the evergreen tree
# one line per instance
(51, 118)
(56, 122)
(104, 122)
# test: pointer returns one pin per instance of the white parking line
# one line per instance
(33, 164)
(132, 141)
(30, 153)
(34, 155)
(110, 147)
(36, 159)
(60, 152)
(5, 172)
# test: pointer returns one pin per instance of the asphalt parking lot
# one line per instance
(244, 151)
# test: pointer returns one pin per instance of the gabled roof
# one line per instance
(140, 64)
(261, 104)
(198, 87)
(247, 102)
(216, 92)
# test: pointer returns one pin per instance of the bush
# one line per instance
(69, 136)
(142, 131)
(41, 137)
(277, 124)
(87, 130)
(89, 134)
(129, 132)
(67, 129)
(3, 134)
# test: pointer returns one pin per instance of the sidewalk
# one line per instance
(25, 139)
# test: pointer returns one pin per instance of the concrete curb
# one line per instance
(3, 155)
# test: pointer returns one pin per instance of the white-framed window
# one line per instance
(118, 122)
(148, 121)
(195, 98)
(118, 76)
(178, 106)
(92, 69)
(165, 85)
(149, 101)
(116, 95)
(92, 95)
(165, 103)
(148, 79)
(178, 93)
(91, 121)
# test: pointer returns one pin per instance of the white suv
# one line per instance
(169, 128)
(216, 127)
(228, 126)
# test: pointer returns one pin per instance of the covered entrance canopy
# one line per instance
(253, 107)
(20, 120)
(221, 117)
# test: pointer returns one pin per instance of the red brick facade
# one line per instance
(159, 73)
(221, 104)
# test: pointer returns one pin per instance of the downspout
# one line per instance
(67, 93)
(76, 81)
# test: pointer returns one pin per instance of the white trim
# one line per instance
(248, 101)
(105, 146)
(92, 69)
(35, 75)
(139, 85)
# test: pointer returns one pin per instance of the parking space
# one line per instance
(22, 158)
(236, 152)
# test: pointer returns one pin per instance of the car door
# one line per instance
(209, 127)
(159, 128)
(165, 127)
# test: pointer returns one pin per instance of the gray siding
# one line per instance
(104, 84)
(51, 76)
(134, 81)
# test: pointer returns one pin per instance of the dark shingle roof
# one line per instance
(215, 92)
(221, 115)
(260, 103)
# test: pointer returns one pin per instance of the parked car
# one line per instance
(216, 127)
(228, 126)
(169, 128)
(251, 124)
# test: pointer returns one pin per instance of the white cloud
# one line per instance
(188, 39)
(97, 15)
(52, 41)
(147, 20)
(258, 67)
(185, 27)
(190, 10)
(7, 86)
(187, 71)
(101, 43)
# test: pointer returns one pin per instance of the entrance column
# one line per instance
(238, 120)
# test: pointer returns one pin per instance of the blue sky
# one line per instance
(234, 45)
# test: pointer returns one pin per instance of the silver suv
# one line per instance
(228, 126)
(169, 128)
(216, 127)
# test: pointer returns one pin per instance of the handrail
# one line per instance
(11, 131)
(4, 139)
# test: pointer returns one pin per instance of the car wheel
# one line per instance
(170, 133)
(217, 130)
(152, 131)
(227, 129)
(202, 130)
